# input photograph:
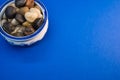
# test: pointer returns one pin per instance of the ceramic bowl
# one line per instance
(30, 39)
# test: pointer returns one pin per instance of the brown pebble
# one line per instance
(29, 30)
(30, 3)
(23, 10)
(26, 24)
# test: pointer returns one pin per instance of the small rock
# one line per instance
(30, 3)
(23, 10)
(38, 8)
(37, 23)
(26, 24)
(18, 32)
(14, 22)
(36, 11)
(8, 27)
(29, 30)
(22, 28)
(31, 16)
(20, 18)
(20, 3)
(10, 12)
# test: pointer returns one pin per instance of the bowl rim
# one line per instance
(4, 34)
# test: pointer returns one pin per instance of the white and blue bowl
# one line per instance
(30, 39)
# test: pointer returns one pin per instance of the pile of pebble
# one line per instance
(22, 18)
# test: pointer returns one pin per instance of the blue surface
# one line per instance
(82, 43)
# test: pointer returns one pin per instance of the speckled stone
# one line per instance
(8, 27)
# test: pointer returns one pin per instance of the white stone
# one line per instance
(31, 16)
(14, 22)
(37, 11)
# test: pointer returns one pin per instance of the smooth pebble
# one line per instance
(36, 11)
(23, 10)
(20, 3)
(20, 18)
(10, 12)
(14, 22)
(31, 16)
(37, 23)
(30, 3)
(26, 24)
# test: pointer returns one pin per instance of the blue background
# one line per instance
(82, 43)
